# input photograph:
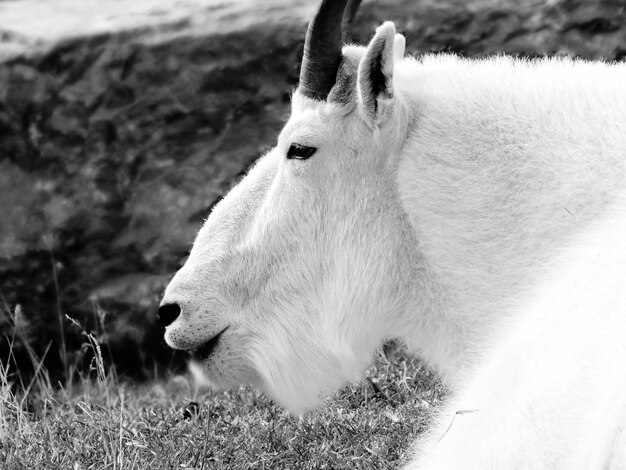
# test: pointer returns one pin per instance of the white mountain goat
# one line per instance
(476, 209)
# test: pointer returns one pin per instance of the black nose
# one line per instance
(168, 313)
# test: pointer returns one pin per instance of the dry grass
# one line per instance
(104, 424)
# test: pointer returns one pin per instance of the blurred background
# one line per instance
(123, 122)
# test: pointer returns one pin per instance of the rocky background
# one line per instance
(115, 144)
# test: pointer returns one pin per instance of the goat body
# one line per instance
(476, 209)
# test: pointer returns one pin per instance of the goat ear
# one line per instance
(375, 76)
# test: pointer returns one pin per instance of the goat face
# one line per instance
(300, 271)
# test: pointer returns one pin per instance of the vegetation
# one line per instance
(104, 423)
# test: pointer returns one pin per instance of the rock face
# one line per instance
(114, 147)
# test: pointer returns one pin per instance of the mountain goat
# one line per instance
(475, 209)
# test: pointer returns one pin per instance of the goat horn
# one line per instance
(322, 47)
(348, 16)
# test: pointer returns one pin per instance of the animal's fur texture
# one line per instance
(475, 209)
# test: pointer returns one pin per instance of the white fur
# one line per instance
(474, 209)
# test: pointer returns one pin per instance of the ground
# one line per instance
(167, 424)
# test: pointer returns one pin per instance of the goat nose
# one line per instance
(168, 313)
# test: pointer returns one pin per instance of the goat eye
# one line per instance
(300, 152)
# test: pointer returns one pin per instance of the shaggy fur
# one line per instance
(474, 209)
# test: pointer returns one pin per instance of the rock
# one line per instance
(115, 145)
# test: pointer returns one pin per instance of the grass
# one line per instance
(169, 424)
